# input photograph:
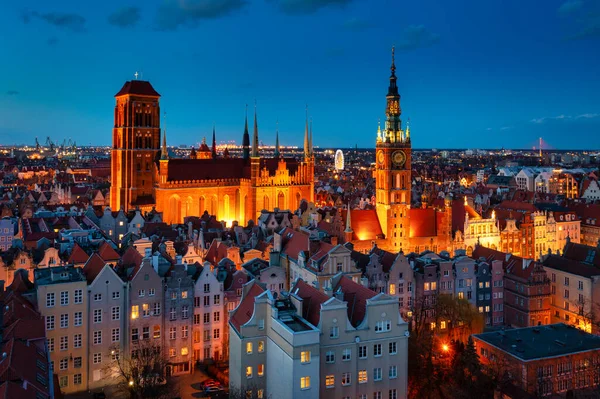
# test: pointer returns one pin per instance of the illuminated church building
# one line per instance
(232, 188)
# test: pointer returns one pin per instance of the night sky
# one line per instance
(472, 74)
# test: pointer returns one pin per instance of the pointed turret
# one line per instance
(214, 144)
(393, 89)
(164, 154)
(246, 138)
(379, 129)
(348, 232)
(255, 135)
(306, 143)
(277, 153)
(310, 142)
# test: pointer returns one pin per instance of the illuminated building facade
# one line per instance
(143, 176)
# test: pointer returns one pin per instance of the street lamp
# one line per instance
(445, 348)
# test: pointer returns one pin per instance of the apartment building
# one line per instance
(209, 319)
(108, 322)
(346, 342)
(179, 310)
(575, 286)
(62, 299)
(542, 361)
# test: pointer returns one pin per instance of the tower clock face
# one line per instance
(380, 157)
(399, 158)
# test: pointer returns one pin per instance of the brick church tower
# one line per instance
(135, 146)
(393, 171)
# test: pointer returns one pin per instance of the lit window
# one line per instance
(261, 346)
(249, 347)
(135, 311)
(330, 381)
(304, 382)
(249, 372)
(362, 376)
(346, 379)
(261, 370)
(392, 289)
(184, 351)
(305, 357)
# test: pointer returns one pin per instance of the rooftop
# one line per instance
(58, 275)
(540, 342)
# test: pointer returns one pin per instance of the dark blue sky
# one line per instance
(471, 73)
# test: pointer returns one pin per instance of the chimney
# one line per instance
(147, 252)
(274, 258)
(178, 260)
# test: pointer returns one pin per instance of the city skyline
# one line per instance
(469, 83)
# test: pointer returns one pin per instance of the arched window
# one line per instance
(281, 200)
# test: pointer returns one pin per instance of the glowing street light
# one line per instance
(445, 348)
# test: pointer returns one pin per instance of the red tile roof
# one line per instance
(423, 222)
(582, 253)
(78, 255)
(20, 282)
(93, 267)
(356, 296)
(208, 169)
(20, 365)
(244, 311)
(365, 224)
(312, 299)
(138, 87)
(131, 257)
(293, 242)
(107, 252)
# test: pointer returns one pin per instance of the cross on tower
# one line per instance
(136, 75)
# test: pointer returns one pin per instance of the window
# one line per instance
(135, 311)
(206, 301)
(377, 350)
(173, 295)
(156, 308)
(64, 298)
(377, 395)
(145, 332)
(196, 319)
(393, 394)
(116, 313)
(334, 332)
(151, 292)
(77, 318)
(77, 341)
(346, 354)
(97, 316)
(115, 335)
(392, 289)
(248, 347)
(50, 344)
(184, 312)
(362, 376)
(78, 296)
(184, 332)
(145, 310)
(362, 352)
(77, 362)
(330, 381)
(206, 318)
(64, 363)
(377, 374)
(216, 316)
(63, 381)
(77, 379)
(383, 326)
(97, 358)
(172, 332)
(249, 372)
(141, 293)
(261, 324)
(172, 352)
(346, 379)
(260, 394)
(184, 294)
(173, 314)
(216, 333)
(184, 351)
(64, 343)
(64, 320)
(305, 357)
(567, 281)
(580, 285)
(116, 295)
(304, 382)
(135, 334)
(330, 357)
(206, 288)
(98, 337)
(97, 297)
(261, 370)
(206, 335)
(393, 372)
(217, 299)
(50, 299)
(156, 331)
(49, 322)
(261, 346)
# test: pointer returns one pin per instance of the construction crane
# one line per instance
(37, 144)
(49, 143)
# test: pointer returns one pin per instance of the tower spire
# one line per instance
(306, 143)
(164, 154)
(255, 138)
(214, 143)
(348, 221)
(277, 154)
(393, 89)
(246, 138)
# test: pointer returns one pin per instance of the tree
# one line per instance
(143, 371)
